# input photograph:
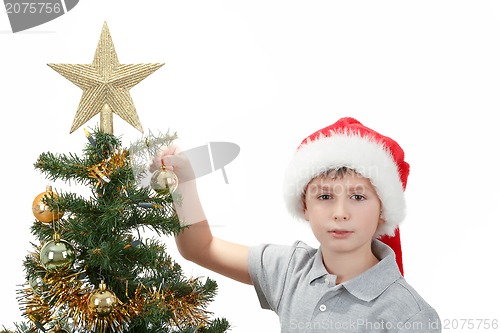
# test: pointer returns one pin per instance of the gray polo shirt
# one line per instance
(293, 282)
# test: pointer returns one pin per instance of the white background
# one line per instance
(264, 75)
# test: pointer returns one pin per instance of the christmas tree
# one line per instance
(91, 270)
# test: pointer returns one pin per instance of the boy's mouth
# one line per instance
(337, 233)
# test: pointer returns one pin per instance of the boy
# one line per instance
(347, 181)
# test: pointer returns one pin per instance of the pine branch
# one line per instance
(64, 167)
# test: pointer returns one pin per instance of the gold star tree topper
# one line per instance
(106, 84)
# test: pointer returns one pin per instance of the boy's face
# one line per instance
(344, 212)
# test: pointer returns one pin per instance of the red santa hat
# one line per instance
(348, 143)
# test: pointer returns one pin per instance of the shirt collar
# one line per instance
(318, 269)
(371, 283)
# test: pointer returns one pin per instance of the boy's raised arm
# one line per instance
(229, 259)
(196, 242)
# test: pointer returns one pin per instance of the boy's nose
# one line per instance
(340, 212)
(340, 217)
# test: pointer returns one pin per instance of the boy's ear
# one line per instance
(381, 219)
(304, 208)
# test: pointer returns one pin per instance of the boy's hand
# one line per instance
(175, 160)
(187, 206)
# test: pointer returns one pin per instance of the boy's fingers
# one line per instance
(169, 150)
(161, 158)
(170, 161)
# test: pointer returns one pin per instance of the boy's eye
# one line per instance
(324, 197)
(358, 197)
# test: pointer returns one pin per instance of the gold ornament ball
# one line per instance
(102, 301)
(164, 181)
(57, 255)
(42, 212)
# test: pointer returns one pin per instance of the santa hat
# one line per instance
(348, 143)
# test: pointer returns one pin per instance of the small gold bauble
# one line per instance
(102, 301)
(57, 255)
(42, 212)
(164, 181)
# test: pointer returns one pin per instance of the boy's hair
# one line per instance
(337, 173)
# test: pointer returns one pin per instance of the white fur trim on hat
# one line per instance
(362, 154)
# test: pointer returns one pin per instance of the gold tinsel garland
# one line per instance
(102, 171)
(187, 309)
(69, 293)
